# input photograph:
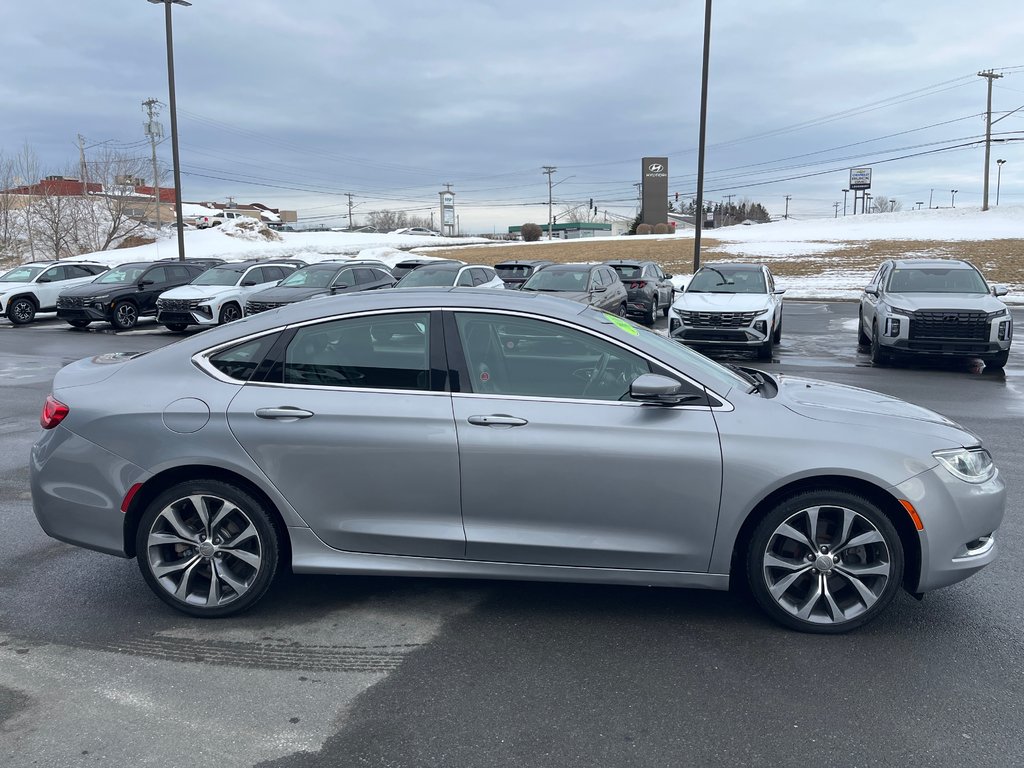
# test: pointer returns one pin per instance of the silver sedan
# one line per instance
(272, 442)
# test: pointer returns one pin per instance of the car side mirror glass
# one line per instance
(248, 283)
(658, 389)
(779, 291)
(144, 283)
(598, 289)
(43, 280)
(339, 287)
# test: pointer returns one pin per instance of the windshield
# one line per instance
(558, 280)
(21, 274)
(675, 355)
(727, 280)
(936, 280)
(309, 278)
(121, 275)
(425, 276)
(219, 276)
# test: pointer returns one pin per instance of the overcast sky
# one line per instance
(296, 102)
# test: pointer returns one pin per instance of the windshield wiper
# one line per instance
(758, 381)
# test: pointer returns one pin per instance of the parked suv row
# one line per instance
(31, 288)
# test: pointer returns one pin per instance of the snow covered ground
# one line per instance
(807, 240)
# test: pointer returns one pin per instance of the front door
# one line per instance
(559, 467)
(352, 430)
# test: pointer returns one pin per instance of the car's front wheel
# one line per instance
(125, 315)
(21, 311)
(229, 313)
(862, 338)
(764, 352)
(998, 362)
(825, 561)
(207, 548)
(879, 356)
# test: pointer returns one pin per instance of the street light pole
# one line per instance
(952, 197)
(698, 220)
(844, 201)
(174, 120)
(999, 177)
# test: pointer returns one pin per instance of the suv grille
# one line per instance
(69, 302)
(255, 307)
(718, 319)
(949, 324)
(176, 305)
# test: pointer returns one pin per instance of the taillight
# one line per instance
(53, 413)
(635, 284)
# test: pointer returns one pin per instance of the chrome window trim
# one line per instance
(201, 359)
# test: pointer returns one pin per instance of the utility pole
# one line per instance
(81, 165)
(930, 193)
(844, 200)
(349, 196)
(989, 76)
(698, 220)
(836, 206)
(548, 170)
(786, 214)
(155, 131)
(952, 197)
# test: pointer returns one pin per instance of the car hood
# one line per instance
(286, 294)
(825, 401)
(95, 289)
(979, 302)
(721, 302)
(196, 291)
(8, 287)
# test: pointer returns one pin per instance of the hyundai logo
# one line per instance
(656, 168)
(951, 318)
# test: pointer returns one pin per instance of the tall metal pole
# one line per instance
(174, 123)
(786, 214)
(549, 169)
(699, 213)
(989, 76)
(844, 201)
(999, 177)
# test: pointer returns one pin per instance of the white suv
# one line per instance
(729, 305)
(218, 295)
(34, 287)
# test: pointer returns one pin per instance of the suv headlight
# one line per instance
(1004, 312)
(900, 311)
(972, 465)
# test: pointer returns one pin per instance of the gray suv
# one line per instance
(934, 307)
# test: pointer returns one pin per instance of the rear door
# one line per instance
(353, 425)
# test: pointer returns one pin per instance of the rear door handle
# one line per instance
(497, 420)
(285, 412)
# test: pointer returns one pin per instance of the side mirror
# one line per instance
(144, 283)
(997, 290)
(659, 390)
(779, 291)
(667, 276)
(339, 287)
(43, 280)
(249, 283)
(872, 289)
(598, 289)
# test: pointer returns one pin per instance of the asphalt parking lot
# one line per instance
(95, 670)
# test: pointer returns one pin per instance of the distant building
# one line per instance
(571, 230)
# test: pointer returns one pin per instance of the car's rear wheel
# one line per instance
(207, 548)
(125, 315)
(998, 362)
(878, 355)
(622, 309)
(79, 323)
(652, 315)
(229, 313)
(21, 311)
(825, 561)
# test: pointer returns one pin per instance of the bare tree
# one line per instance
(56, 218)
(385, 221)
(108, 211)
(26, 169)
(10, 215)
(581, 212)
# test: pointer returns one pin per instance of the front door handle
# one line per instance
(497, 420)
(285, 412)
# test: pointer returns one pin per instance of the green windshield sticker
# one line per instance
(623, 324)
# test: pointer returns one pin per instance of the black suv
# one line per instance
(324, 279)
(516, 272)
(125, 293)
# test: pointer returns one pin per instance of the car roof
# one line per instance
(572, 267)
(627, 263)
(522, 263)
(932, 264)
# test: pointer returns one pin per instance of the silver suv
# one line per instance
(935, 307)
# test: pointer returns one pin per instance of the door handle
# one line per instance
(497, 420)
(284, 412)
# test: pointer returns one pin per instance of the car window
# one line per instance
(466, 278)
(557, 280)
(376, 352)
(72, 271)
(345, 277)
(936, 280)
(726, 280)
(479, 276)
(256, 275)
(240, 362)
(364, 276)
(156, 274)
(270, 274)
(20, 274)
(626, 271)
(124, 274)
(380, 274)
(535, 358)
(179, 273)
(54, 274)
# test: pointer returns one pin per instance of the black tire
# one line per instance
(863, 340)
(651, 316)
(176, 327)
(878, 355)
(79, 323)
(125, 315)
(840, 587)
(21, 311)
(229, 313)
(764, 352)
(778, 332)
(998, 362)
(622, 310)
(190, 562)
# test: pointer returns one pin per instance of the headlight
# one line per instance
(1004, 312)
(972, 465)
(900, 311)
(203, 301)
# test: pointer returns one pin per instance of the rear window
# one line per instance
(626, 271)
(513, 271)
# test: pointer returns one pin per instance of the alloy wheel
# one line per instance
(21, 311)
(126, 315)
(204, 550)
(826, 565)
